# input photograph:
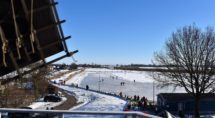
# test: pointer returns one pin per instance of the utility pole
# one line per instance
(153, 92)
(99, 82)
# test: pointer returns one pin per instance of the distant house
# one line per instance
(60, 66)
(175, 102)
(73, 66)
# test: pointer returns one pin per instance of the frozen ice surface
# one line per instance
(107, 80)
(108, 84)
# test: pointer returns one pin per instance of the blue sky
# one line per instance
(127, 31)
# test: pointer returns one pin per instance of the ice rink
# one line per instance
(110, 81)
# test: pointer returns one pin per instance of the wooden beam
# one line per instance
(39, 66)
(54, 9)
(56, 42)
(50, 26)
(51, 44)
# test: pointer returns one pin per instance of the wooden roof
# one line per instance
(48, 32)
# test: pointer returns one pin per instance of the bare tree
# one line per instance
(189, 58)
(40, 80)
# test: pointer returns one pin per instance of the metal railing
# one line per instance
(61, 113)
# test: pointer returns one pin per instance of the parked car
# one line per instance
(52, 98)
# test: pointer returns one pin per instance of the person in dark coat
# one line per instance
(87, 87)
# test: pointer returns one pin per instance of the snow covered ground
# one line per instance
(92, 101)
(64, 77)
(109, 81)
(40, 104)
(88, 101)
(77, 79)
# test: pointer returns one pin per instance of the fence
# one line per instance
(61, 113)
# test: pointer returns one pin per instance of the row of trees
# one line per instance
(75, 66)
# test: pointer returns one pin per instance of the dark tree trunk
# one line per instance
(197, 106)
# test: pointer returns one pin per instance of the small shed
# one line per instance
(184, 102)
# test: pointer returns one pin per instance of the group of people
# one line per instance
(135, 103)
(74, 85)
(122, 83)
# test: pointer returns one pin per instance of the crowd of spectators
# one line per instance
(135, 103)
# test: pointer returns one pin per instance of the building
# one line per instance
(175, 102)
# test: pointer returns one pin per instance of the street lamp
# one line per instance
(99, 82)
(153, 92)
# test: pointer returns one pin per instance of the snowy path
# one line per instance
(41, 105)
(88, 100)
(92, 101)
